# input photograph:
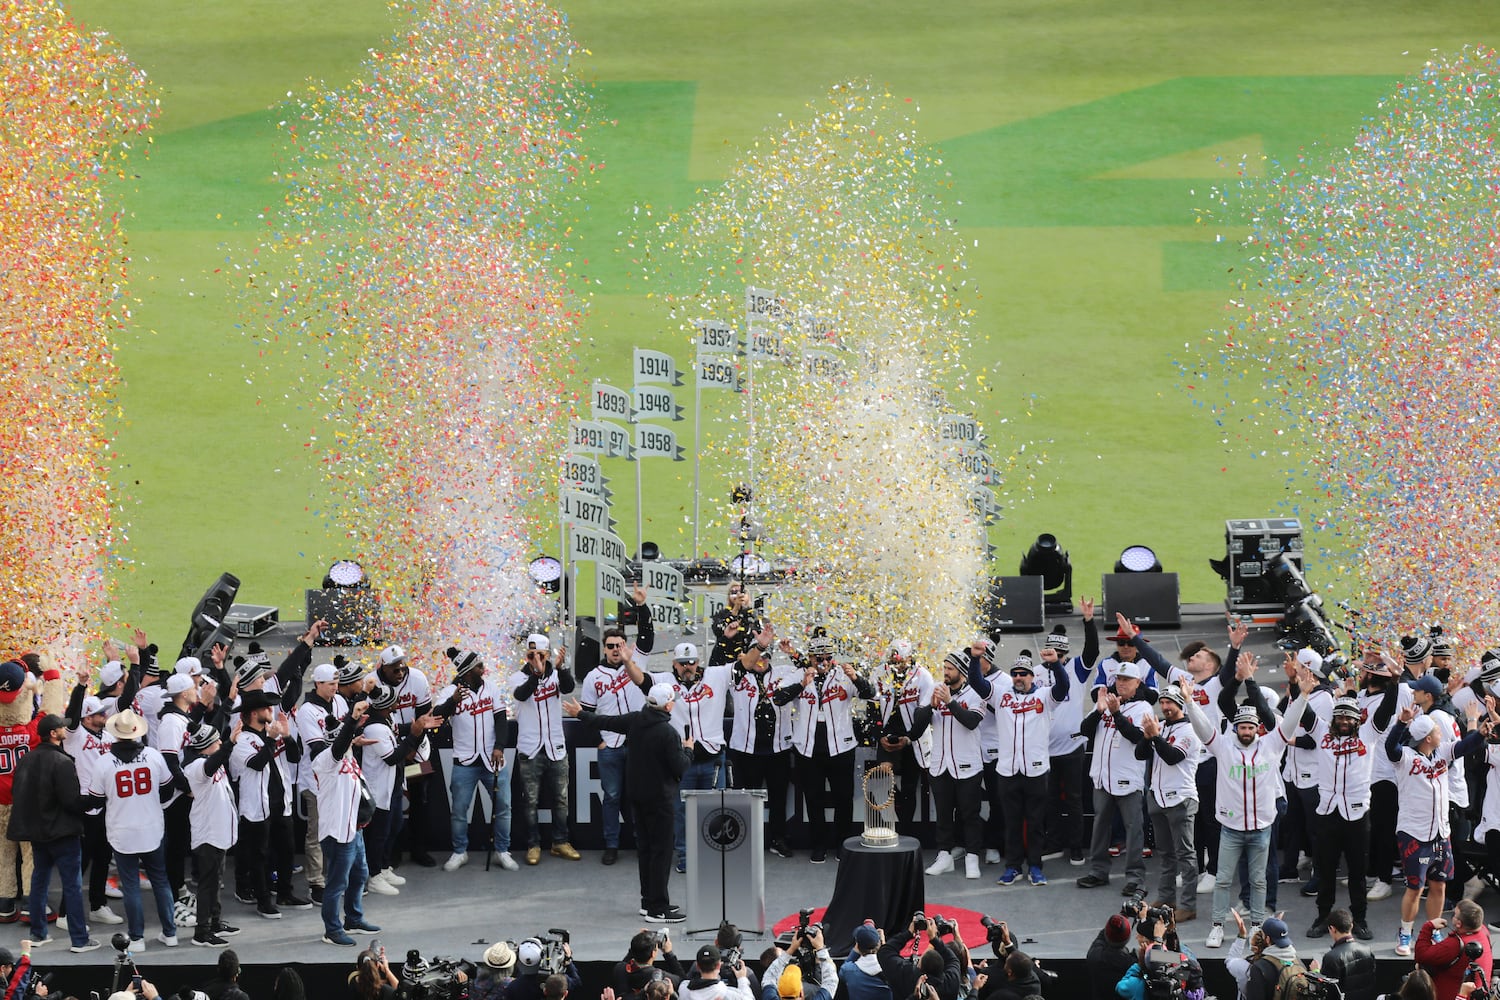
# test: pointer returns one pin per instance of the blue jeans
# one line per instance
(1254, 845)
(704, 775)
(66, 855)
(612, 785)
(344, 868)
(129, 867)
(461, 785)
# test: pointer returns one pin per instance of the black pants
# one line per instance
(823, 778)
(1206, 827)
(264, 846)
(1382, 816)
(379, 840)
(179, 838)
(1025, 803)
(210, 862)
(97, 855)
(1461, 832)
(1065, 801)
(1337, 837)
(1298, 826)
(958, 822)
(909, 775)
(655, 822)
(996, 829)
(773, 772)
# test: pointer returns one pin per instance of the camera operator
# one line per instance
(1109, 956)
(860, 977)
(936, 969)
(1349, 963)
(731, 943)
(639, 967)
(372, 978)
(783, 976)
(530, 980)
(16, 976)
(1153, 934)
(709, 984)
(1445, 959)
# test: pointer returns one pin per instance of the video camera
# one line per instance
(1165, 973)
(1134, 908)
(937, 923)
(434, 980)
(1483, 989)
(554, 955)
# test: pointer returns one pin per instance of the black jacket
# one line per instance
(1353, 965)
(48, 803)
(656, 761)
(902, 973)
(1106, 964)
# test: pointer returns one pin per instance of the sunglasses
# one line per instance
(614, 645)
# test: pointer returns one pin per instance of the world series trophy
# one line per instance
(880, 808)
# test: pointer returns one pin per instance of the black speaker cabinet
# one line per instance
(1144, 598)
(352, 614)
(586, 649)
(1014, 604)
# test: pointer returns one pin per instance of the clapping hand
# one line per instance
(1150, 728)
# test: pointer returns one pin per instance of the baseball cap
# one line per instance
(685, 652)
(12, 680)
(1421, 727)
(708, 957)
(529, 954)
(661, 694)
(1132, 670)
(391, 654)
(324, 672)
(901, 648)
(178, 683)
(50, 723)
(538, 641)
(1310, 659)
(110, 673)
(1276, 932)
(92, 705)
(866, 938)
(190, 665)
(1428, 684)
(790, 983)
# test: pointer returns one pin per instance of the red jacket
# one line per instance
(1444, 961)
(15, 742)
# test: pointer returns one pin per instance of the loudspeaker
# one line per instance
(1144, 598)
(586, 651)
(1014, 604)
(353, 616)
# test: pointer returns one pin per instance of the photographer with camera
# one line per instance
(534, 966)
(639, 967)
(372, 978)
(1449, 957)
(936, 968)
(16, 976)
(731, 945)
(1162, 969)
(783, 978)
(708, 983)
(860, 977)
(1109, 956)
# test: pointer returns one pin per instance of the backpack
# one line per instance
(1291, 980)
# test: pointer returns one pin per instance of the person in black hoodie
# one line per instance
(639, 967)
(653, 774)
(937, 963)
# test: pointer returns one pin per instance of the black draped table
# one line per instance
(883, 884)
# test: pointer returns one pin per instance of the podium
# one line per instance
(726, 861)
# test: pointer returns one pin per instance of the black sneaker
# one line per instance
(818, 856)
(780, 849)
(610, 856)
(268, 910)
(424, 859)
(316, 892)
(209, 940)
(246, 898)
(1318, 927)
(1075, 857)
(1362, 931)
(225, 930)
(1131, 888)
(671, 915)
(293, 902)
(1092, 881)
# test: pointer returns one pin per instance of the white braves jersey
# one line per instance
(215, 816)
(133, 818)
(609, 690)
(1305, 763)
(255, 786)
(147, 704)
(1023, 723)
(312, 728)
(410, 693)
(1248, 785)
(698, 711)
(1174, 784)
(1458, 778)
(338, 796)
(539, 725)
(1114, 768)
(1343, 772)
(380, 776)
(1206, 697)
(473, 723)
(1422, 793)
(171, 738)
(830, 700)
(87, 750)
(1107, 669)
(956, 749)
(1381, 769)
(1489, 818)
(989, 725)
(746, 695)
(914, 691)
(1063, 736)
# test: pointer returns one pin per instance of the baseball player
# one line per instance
(823, 736)
(760, 743)
(87, 742)
(1174, 749)
(542, 748)
(608, 691)
(342, 799)
(1118, 777)
(955, 763)
(259, 764)
(1066, 745)
(475, 709)
(413, 700)
(214, 818)
(170, 739)
(901, 688)
(1023, 715)
(382, 753)
(1342, 778)
(323, 706)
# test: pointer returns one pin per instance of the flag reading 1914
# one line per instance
(656, 366)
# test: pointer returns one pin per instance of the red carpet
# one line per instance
(969, 927)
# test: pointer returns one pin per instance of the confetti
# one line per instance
(75, 110)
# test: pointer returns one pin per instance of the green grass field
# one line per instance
(1081, 137)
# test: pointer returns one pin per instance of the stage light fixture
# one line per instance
(1286, 580)
(346, 573)
(1137, 559)
(650, 552)
(209, 613)
(546, 572)
(1047, 560)
(1304, 625)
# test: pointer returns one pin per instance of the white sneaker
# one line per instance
(506, 861)
(1206, 882)
(1380, 890)
(457, 861)
(1215, 937)
(62, 923)
(991, 856)
(170, 940)
(380, 886)
(941, 864)
(971, 866)
(390, 876)
(105, 915)
(137, 945)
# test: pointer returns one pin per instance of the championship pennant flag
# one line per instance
(957, 429)
(822, 364)
(717, 371)
(661, 580)
(617, 442)
(583, 473)
(653, 441)
(611, 403)
(584, 510)
(715, 337)
(611, 584)
(762, 305)
(603, 547)
(655, 403)
(765, 343)
(656, 366)
(589, 436)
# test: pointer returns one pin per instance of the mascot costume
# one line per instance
(20, 690)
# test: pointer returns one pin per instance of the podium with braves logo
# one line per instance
(726, 861)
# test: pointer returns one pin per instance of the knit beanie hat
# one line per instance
(1058, 638)
(1415, 648)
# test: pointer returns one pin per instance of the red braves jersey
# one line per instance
(15, 742)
